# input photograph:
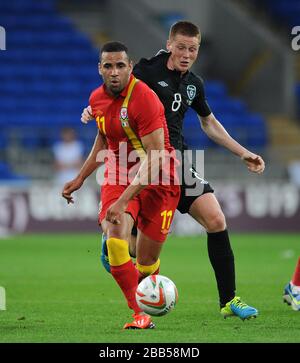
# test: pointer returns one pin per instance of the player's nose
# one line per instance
(114, 71)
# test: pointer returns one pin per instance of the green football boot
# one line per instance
(236, 307)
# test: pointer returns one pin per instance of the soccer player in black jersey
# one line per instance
(168, 74)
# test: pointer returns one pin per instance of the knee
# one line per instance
(216, 223)
(117, 232)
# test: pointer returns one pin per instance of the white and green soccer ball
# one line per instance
(156, 295)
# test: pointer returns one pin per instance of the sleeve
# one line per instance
(147, 112)
(200, 104)
(139, 71)
(92, 100)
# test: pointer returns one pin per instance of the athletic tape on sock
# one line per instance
(118, 252)
(148, 270)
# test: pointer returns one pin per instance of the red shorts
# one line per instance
(152, 209)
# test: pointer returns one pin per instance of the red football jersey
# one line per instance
(145, 114)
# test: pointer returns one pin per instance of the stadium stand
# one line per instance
(48, 71)
(287, 12)
(248, 128)
(46, 76)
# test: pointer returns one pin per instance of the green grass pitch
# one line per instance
(58, 292)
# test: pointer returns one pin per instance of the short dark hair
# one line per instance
(184, 27)
(113, 47)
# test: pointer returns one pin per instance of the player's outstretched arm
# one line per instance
(90, 165)
(87, 115)
(215, 131)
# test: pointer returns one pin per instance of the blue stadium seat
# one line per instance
(5, 171)
(7, 174)
(287, 12)
(215, 89)
(227, 105)
(3, 141)
(27, 6)
(250, 130)
(193, 134)
(31, 142)
(48, 74)
(257, 134)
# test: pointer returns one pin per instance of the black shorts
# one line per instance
(192, 186)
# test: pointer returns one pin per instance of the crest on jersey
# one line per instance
(123, 113)
(191, 91)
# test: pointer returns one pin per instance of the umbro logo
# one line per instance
(163, 84)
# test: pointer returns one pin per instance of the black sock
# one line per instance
(222, 260)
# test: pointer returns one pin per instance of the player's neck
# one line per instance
(171, 67)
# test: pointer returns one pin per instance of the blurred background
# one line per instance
(49, 67)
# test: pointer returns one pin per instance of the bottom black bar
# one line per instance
(97, 352)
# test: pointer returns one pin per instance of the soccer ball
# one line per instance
(156, 295)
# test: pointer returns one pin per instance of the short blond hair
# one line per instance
(184, 27)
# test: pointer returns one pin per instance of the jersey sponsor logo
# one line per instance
(191, 91)
(163, 83)
(123, 113)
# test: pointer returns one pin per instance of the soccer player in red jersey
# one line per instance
(131, 123)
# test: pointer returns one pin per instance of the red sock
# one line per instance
(126, 276)
(296, 276)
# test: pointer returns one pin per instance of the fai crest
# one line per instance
(123, 113)
(191, 91)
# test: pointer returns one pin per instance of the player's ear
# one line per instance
(131, 65)
(169, 45)
(99, 68)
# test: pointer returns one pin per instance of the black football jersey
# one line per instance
(176, 92)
